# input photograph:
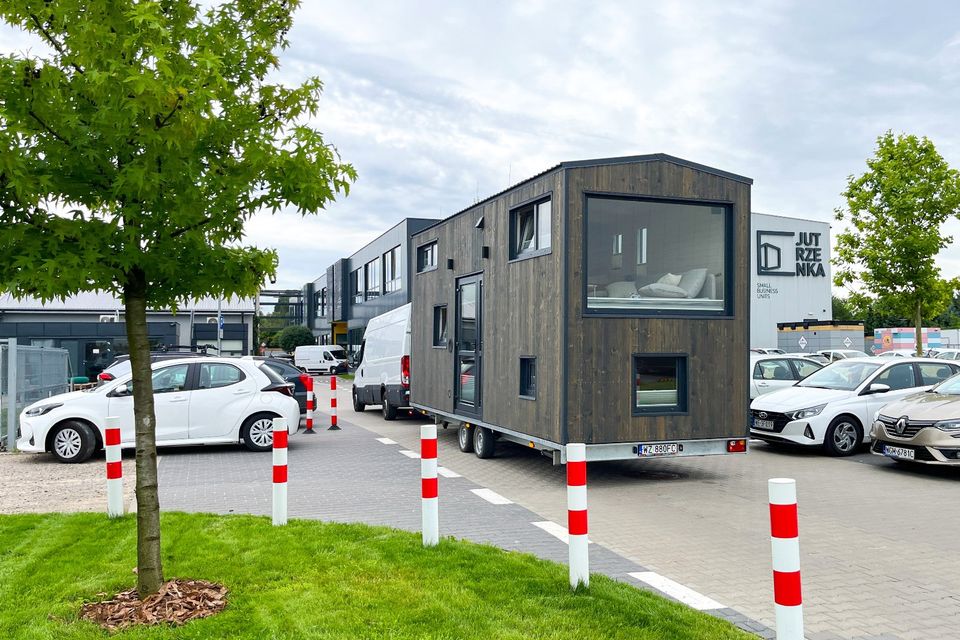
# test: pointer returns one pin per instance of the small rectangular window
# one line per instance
(323, 303)
(356, 285)
(372, 270)
(659, 384)
(530, 230)
(528, 377)
(440, 326)
(427, 257)
(391, 270)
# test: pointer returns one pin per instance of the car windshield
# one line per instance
(339, 353)
(949, 387)
(842, 375)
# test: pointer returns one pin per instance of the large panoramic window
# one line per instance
(530, 230)
(676, 256)
(391, 270)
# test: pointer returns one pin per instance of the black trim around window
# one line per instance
(528, 377)
(680, 364)
(530, 206)
(422, 251)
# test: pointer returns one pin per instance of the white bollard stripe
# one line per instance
(786, 554)
(782, 491)
(280, 456)
(280, 503)
(113, 453)
(789, 622)
(576, 452)
(430, 524)
(428, 468)
(577, 498)
(579, 561)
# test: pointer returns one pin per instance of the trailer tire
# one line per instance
(465, 438)
(483, 442)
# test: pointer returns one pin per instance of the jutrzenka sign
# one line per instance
(772, 246)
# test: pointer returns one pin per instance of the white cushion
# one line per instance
(621, 289)
(660, 290)
(671, 279)
(709, 289)
(692, 282)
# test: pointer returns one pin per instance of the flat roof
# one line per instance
(98, 301)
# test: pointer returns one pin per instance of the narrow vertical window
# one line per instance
(528, 377)
(391, 270)
(440, 326)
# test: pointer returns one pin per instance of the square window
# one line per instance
(528, 377)
(530, 230)
(659, 384)
(440, 326)
(427, 257)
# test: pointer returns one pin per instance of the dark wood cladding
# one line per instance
(600, 348)
(522, 312)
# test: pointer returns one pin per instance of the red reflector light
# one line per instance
(736, 446)
(405, 371)
(105, 377)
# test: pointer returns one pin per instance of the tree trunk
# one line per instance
(919, 324)
(149, 567)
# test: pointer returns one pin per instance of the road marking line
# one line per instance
(491, 496)
(557, 531)
(447, 473)
(410, 454)
(677, 591)
(386, 441)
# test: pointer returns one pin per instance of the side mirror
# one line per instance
(876, 387)
(120, 391)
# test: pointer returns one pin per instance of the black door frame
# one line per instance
(475, 409)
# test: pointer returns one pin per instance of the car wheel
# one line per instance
(843, 436)
(357, 405)
(465, 438)
(257, 432)
(483, 442)
(73, 442)
(389, 411)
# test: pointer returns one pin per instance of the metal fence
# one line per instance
(27, 374)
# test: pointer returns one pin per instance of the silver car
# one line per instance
(923, 427)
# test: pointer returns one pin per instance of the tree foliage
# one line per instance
(294, 336)
(134, 145)
(895, 212)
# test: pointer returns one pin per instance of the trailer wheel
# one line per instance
(465, 438)
(483, 442)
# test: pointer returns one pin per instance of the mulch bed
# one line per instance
(176, 603)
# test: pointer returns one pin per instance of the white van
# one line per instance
(321, 358)
(383, 376)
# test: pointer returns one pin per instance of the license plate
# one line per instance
(898, 452)
(763, 424)
(662, 449)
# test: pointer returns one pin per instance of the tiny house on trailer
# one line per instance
(601, 301)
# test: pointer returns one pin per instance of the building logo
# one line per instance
(783, 253)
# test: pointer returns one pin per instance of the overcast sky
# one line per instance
(439, 103)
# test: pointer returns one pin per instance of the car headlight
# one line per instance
(42, 409)
(809, 412)
(876, 415)
(950, 426)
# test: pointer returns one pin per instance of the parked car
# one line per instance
(834, 407)
(321, 358)
(772, 372)
(121, 366)
(286, 370)
(816, 357)
(383, 376)
(196, 400)
(947, 354)
(766, 350)
(923, 427)
(842, 354)
(898, 353)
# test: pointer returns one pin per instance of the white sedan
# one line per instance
(834, 406)
(196, 401)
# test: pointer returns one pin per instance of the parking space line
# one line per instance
(447, 473)
(410, 454)
(386, 441)
(677, 591)
(491, 496)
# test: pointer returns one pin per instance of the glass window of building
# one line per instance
(356, 285)
(440, 326)
(659, 384)
(528, 377)
(372, 270)
(427, 257)
(530, 230)
(391, 270)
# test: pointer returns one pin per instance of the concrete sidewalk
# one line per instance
(353, 476)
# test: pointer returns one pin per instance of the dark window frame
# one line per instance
(729, 303)
(357, 283)
(528, 387)
(371, 290)
(424, 249)
(440, 309)
(394, 283)
(531, 206)
(682, 407)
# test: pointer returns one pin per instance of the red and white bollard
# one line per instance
(428, 485)
(308, 381)
(577, 515)
(280, 471)
(333, 403)
(785, 540)
(114, 467)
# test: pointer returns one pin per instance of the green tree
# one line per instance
(134, 144)
(842, 309)
(895, 211)
(294, 336)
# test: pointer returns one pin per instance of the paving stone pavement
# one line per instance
(349, 476)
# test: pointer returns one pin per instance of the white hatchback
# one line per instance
(196, 401)
(834, 406)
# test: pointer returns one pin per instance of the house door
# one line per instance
(469, 346)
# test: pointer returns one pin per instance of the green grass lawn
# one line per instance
(346, 376)
(317, 580)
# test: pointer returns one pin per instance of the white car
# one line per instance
(947, 354)
(196, 401)
(772, 372)
(898, 353)
(834, 407)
